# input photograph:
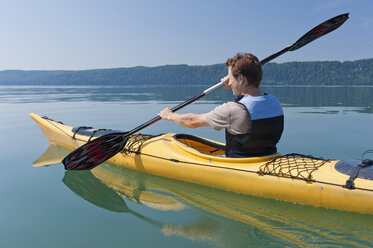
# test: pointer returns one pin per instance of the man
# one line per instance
(253, 123)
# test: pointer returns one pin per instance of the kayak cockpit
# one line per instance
(211, 150)
(201, 145)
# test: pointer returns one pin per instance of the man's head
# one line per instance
(247, 65)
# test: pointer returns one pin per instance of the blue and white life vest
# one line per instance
(267, 125)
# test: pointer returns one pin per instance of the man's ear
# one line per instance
(241, 78)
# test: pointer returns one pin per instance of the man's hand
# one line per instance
(166, 114)
(225, 80)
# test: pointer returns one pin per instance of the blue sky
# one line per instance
(77, 34)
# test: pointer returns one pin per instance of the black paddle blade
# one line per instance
(95, 152)
(320, 30)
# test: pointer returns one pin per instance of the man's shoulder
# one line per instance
(228, 107)
(234, 105)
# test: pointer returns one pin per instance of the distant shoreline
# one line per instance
(319, 73)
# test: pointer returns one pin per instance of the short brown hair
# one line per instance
(248, 65)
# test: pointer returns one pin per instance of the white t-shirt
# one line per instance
(232, 116)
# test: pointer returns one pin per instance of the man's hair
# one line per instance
(248, 65)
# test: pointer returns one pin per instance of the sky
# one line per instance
(93, 34)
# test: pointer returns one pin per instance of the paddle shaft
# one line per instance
(176, 108)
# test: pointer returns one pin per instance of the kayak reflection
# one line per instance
(224, 218)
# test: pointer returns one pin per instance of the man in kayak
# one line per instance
(253, 122)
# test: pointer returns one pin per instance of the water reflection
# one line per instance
(360, 97)
(300, 96)
(223, 219)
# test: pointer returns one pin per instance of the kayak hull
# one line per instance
(166, 156)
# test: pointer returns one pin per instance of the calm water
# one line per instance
(114, 207)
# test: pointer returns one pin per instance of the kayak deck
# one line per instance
(294, 178)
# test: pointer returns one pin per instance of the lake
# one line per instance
(115, 207)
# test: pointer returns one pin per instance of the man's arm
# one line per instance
(189, 120)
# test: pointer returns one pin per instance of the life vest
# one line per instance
(267, 125)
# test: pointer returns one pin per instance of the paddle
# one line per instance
(101, 149)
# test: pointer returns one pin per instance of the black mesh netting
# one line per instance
(293, 165)
(135, 141)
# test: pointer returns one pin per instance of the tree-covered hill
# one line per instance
(358, 72)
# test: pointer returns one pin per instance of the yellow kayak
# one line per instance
(293, 177)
